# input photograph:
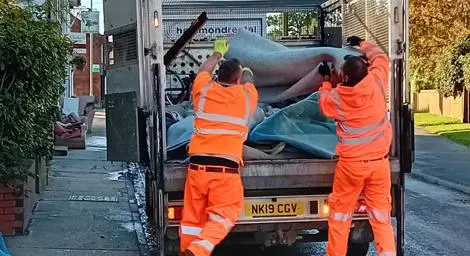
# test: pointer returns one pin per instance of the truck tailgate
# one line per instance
(273, 174)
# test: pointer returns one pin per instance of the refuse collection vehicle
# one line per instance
(153, 53)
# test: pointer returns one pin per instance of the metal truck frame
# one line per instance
(276, 183)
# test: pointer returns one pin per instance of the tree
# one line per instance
(450, 70)
(434, 25)
(33, 59)
(298, 24)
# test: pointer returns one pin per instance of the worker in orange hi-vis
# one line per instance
(213, 194)
(358, 104)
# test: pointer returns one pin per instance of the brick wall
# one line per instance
(81, 78)
(11, 212)
(16, 209)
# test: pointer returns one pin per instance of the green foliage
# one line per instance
(33, 59)
(428, 119)
(449, 71)
(434, 25)
(448, 127)
(298, 24)
(465, 61)
(79, 62)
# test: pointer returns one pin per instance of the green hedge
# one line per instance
(465, 61)
(449, 71)
(33, 60)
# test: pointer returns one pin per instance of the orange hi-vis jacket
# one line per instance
(222, 116)
(363, 128)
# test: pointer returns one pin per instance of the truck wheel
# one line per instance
(357, 249)
(172, 247)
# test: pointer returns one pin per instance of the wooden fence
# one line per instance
(431, 101)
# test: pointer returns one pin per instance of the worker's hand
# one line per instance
(221, 46)
(335, 78)
(354, 40)
(324, 70)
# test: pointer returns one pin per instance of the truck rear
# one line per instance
(285, 199)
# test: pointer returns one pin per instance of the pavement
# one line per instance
(88, 208)
(440, 161)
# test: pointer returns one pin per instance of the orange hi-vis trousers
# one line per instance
(373, 178)
(212, 205)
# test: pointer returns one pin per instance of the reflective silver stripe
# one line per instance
(188, 230)
(342, 216)
(220, 131)
(339, 109)
(222, 118)
(388, 254)
(224, 221)
(324, 94)
(202, 98)
(368, 128)
(362, 139)
(206, 244)
(380, 216)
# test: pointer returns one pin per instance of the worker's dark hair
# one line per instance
(228, 70)
(356, 68)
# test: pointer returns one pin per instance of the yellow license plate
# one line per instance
(259, 209)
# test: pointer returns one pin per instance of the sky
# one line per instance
(97, 6)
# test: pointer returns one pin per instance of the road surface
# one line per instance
(437, 223)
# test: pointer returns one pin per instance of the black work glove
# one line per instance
(324, 69)
(354, 40)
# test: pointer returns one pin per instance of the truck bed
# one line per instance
(273, 174)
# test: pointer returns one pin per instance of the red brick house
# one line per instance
(81, 78)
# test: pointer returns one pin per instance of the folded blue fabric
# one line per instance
(179, 133)
(302, 126)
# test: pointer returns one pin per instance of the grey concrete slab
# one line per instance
(85, 184)
(84, 166)
(438, 157)
(58, 195)
(91, 153)
(77, 233)
(67, 252)
(88, 175)
(103, 210)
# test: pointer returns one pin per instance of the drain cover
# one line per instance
(94, 198)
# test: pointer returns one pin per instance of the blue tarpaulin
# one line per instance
(300, 125)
